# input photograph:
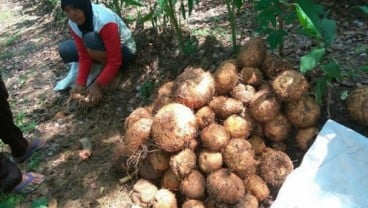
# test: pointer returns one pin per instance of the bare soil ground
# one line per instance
(30, 67)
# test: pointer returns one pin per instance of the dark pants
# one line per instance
(69, 53)
(10, 134)
(10, 174)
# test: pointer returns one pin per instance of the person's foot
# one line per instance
(32, 147)
(30, 182)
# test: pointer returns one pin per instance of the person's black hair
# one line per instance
(86, 7)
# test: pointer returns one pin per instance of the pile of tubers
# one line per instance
(219, 139)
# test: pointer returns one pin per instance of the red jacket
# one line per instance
(113, 32)
(110, 37)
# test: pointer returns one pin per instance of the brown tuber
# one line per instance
(273, 65)
(226, 76)
(255, 185)
(163, 96)
(146, 190)
(252, 76)
(239, 157)
(194, 88)
(225, 106)
(159, 160)
(193, 185)
(238, 126)
(135, 115)
(357, 105)
(305, 137)
(274, 167)
(248, 201)
(277, 129)
(224, 186)
(183, 162)
(209, 161)
(243, 92)
(136, 135)
(173, 127)
(170, 181)
(252, 53)
(192, 203)
(204, 117)
(290, 85)
(264, 106)
(258, 144)
(165, 199)
(303, 113)
(147, 171)
(214, 137)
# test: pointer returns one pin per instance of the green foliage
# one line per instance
(309, 61)
(361, 48)
(316, 25)
(146, 89)
(271, 15)
(314, 21)
(331, 71)
(328, 31)
(232, 6)
(168, 9)
(52, 7)
(363, 68)
(364, 9)
(40, 203)
(10, 200)
(275, 37)
(118, 5)
(307, 14)
(35, 161)
(320, 89)
(190, 46)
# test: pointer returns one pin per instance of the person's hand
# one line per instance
(94, 93)
(77, 92)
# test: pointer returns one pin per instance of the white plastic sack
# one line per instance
(333, 172)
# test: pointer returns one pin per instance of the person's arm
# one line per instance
(85, 61)
(111, 39)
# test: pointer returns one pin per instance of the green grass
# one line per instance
(10, 200)
(6, 54)
(40, 203)
(12, 39)
(203, 32)
(361, 48)
(35, 161)
(25, 125)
